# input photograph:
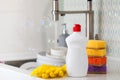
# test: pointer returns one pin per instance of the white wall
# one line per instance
(20, 25)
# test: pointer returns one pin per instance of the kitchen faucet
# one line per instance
(89, 16)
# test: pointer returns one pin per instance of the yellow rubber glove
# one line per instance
(49, 71)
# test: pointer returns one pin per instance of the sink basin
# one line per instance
(6, 74)
(13, 73)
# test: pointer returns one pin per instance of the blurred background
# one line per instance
(26, 27)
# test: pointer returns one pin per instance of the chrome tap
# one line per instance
(55, 7)
(89, 16)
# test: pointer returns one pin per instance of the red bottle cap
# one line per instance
(77, 28)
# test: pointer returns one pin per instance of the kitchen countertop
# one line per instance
(12, 73)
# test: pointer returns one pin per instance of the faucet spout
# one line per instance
(89, 16)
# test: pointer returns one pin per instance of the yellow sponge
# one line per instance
(96, 53)
(96, 44)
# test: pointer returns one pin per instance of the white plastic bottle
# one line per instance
(76, 59)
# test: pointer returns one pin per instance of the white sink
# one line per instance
(10, 73)
(6, 74)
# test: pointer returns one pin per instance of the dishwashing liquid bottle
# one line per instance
(76, 59)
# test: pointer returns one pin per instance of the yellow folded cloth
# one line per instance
(96, 44)
(96, 53)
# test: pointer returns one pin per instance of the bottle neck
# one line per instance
(77, 32)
